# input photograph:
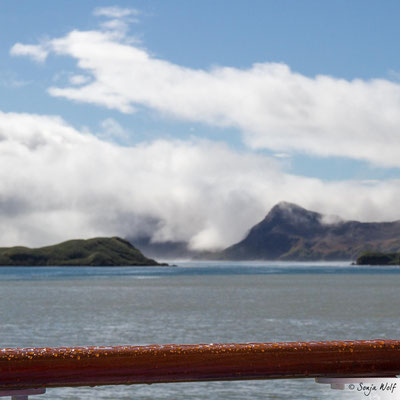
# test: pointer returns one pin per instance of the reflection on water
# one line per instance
(197, 303)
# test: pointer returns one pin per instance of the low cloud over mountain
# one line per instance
(58, 183)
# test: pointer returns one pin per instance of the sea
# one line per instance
(198, 302)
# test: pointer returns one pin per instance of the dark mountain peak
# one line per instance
(290, 214)
(286, 208)
(290, 232)
(284, 205)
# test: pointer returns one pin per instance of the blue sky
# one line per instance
(309, 90)
(343, 39)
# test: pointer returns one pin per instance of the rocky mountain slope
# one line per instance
(290, 232)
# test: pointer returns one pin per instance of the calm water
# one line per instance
(198, 303)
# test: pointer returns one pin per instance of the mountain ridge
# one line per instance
(291, 232)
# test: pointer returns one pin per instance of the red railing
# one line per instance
(90, 366)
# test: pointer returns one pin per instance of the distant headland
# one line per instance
(292, 233)
(98, 251)
(377, 258)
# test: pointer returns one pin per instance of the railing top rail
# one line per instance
(89, 366)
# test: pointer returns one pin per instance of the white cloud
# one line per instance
(38, 52)
(282, 155)
(114, 12)
(57, 183)
(117, 26)
(119, 19)
(78, 79)
(112, 130)
(274, 107)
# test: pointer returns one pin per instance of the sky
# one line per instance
(188, 120)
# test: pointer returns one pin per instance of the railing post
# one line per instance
(21, 394)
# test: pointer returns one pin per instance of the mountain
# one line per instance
(290, 232)
(91, 252)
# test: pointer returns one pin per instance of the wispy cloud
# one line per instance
(79, 79)
(118, 20)
(112, 130)
(115, 12)
(38, 53)
(10, 79)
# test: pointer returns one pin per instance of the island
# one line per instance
(378, 258)
(100, 251)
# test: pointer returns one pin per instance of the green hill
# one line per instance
(377, 258)
(91, 252)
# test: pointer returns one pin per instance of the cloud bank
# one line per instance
(57, 183)
(274, 107)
